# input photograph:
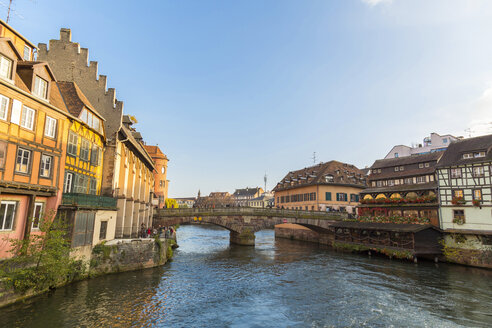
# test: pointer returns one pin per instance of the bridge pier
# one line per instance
(244, 238)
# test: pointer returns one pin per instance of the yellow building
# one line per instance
(323, 187)
(93, 216)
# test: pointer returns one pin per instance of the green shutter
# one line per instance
(328, 195)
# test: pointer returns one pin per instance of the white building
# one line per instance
(465, 182)
(430, 144)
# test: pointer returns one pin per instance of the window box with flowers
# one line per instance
(458, 201)
(477, 203)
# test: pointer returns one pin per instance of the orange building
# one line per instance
(34, 123)
(161, 184)
(323, 187)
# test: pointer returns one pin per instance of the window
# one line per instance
(4, 107)
(83, 115)
(426, 165)
(342, 197)
(396, 169)
(354, 198)
(396, 155)
(27, 118)
(421, 179)
(68, 183)
(391, 183)
(458, 193)
(163, 170)
(421, 165)
(84, 149)
(445, 140)
(95, 155)
(3, 153)
(327, 195)
(467, 156)
(5, 67)
(102, 231)
(479, 154)
(23, 160)
(478, 171)
(401, 168)
(459, 215)
(27, 53)
(72, 144)
(329, 178)
(46, 164)
(408, 180)
(477, 194)
(455, 173)
(93, 187)
(379, 183)
(81, 184)
(38, 212)
(50, 127)
(40, 87)
(7, 214)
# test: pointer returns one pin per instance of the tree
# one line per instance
(42, 261)
(171, 203)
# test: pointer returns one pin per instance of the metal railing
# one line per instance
(249, 211)
(92, 201)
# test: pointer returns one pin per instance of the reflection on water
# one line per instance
(278, 283)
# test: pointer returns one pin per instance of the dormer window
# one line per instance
(467, 156)
(479, 154)
(5, 67)
(40, 87)
(329, 178)
(27, 53)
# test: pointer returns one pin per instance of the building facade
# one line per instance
(127, 167)
(465, 185)
(187, 202)
(160, 174)
(33, 129)
(92, 217)
(243, 196)
(430, 144)
(403, 187)
(324, 187)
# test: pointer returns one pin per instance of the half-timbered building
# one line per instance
(403, 187)
(465, 182)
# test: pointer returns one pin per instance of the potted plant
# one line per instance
(458, 201)
(477, 202)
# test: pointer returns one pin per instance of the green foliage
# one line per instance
(169, 252)
(41, 261)
(103, 249)
(171, 203)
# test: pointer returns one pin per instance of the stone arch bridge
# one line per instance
(243, 222)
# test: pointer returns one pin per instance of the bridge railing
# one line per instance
(253, 211)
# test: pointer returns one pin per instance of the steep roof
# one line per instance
(155, 152)
(329, 173)
(246, 192)
(454, 154)
(138, 146)
(390, 162)
(26, 63)
(75, 99)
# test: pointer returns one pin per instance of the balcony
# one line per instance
(88, 201)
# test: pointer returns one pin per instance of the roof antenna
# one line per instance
(8, 12)
(314, 157)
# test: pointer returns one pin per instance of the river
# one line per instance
(277, 283)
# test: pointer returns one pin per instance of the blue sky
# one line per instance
(231, 90)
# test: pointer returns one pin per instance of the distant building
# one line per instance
(187, 202)
(214, 200)
(264, 201)
(243, 196)
(326, 186)
(465, 186)
(161, 184)
(402, 187)
(430, 144)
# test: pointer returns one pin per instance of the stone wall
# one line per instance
(296, 232)
(468, 249)
(128, 255)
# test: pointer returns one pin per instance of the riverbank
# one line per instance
(119, 255)
(458, 247)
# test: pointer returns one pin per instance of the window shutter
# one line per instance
(16, 112)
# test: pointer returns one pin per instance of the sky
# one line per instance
(234, 90)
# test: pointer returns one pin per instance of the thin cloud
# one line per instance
(376, 2)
